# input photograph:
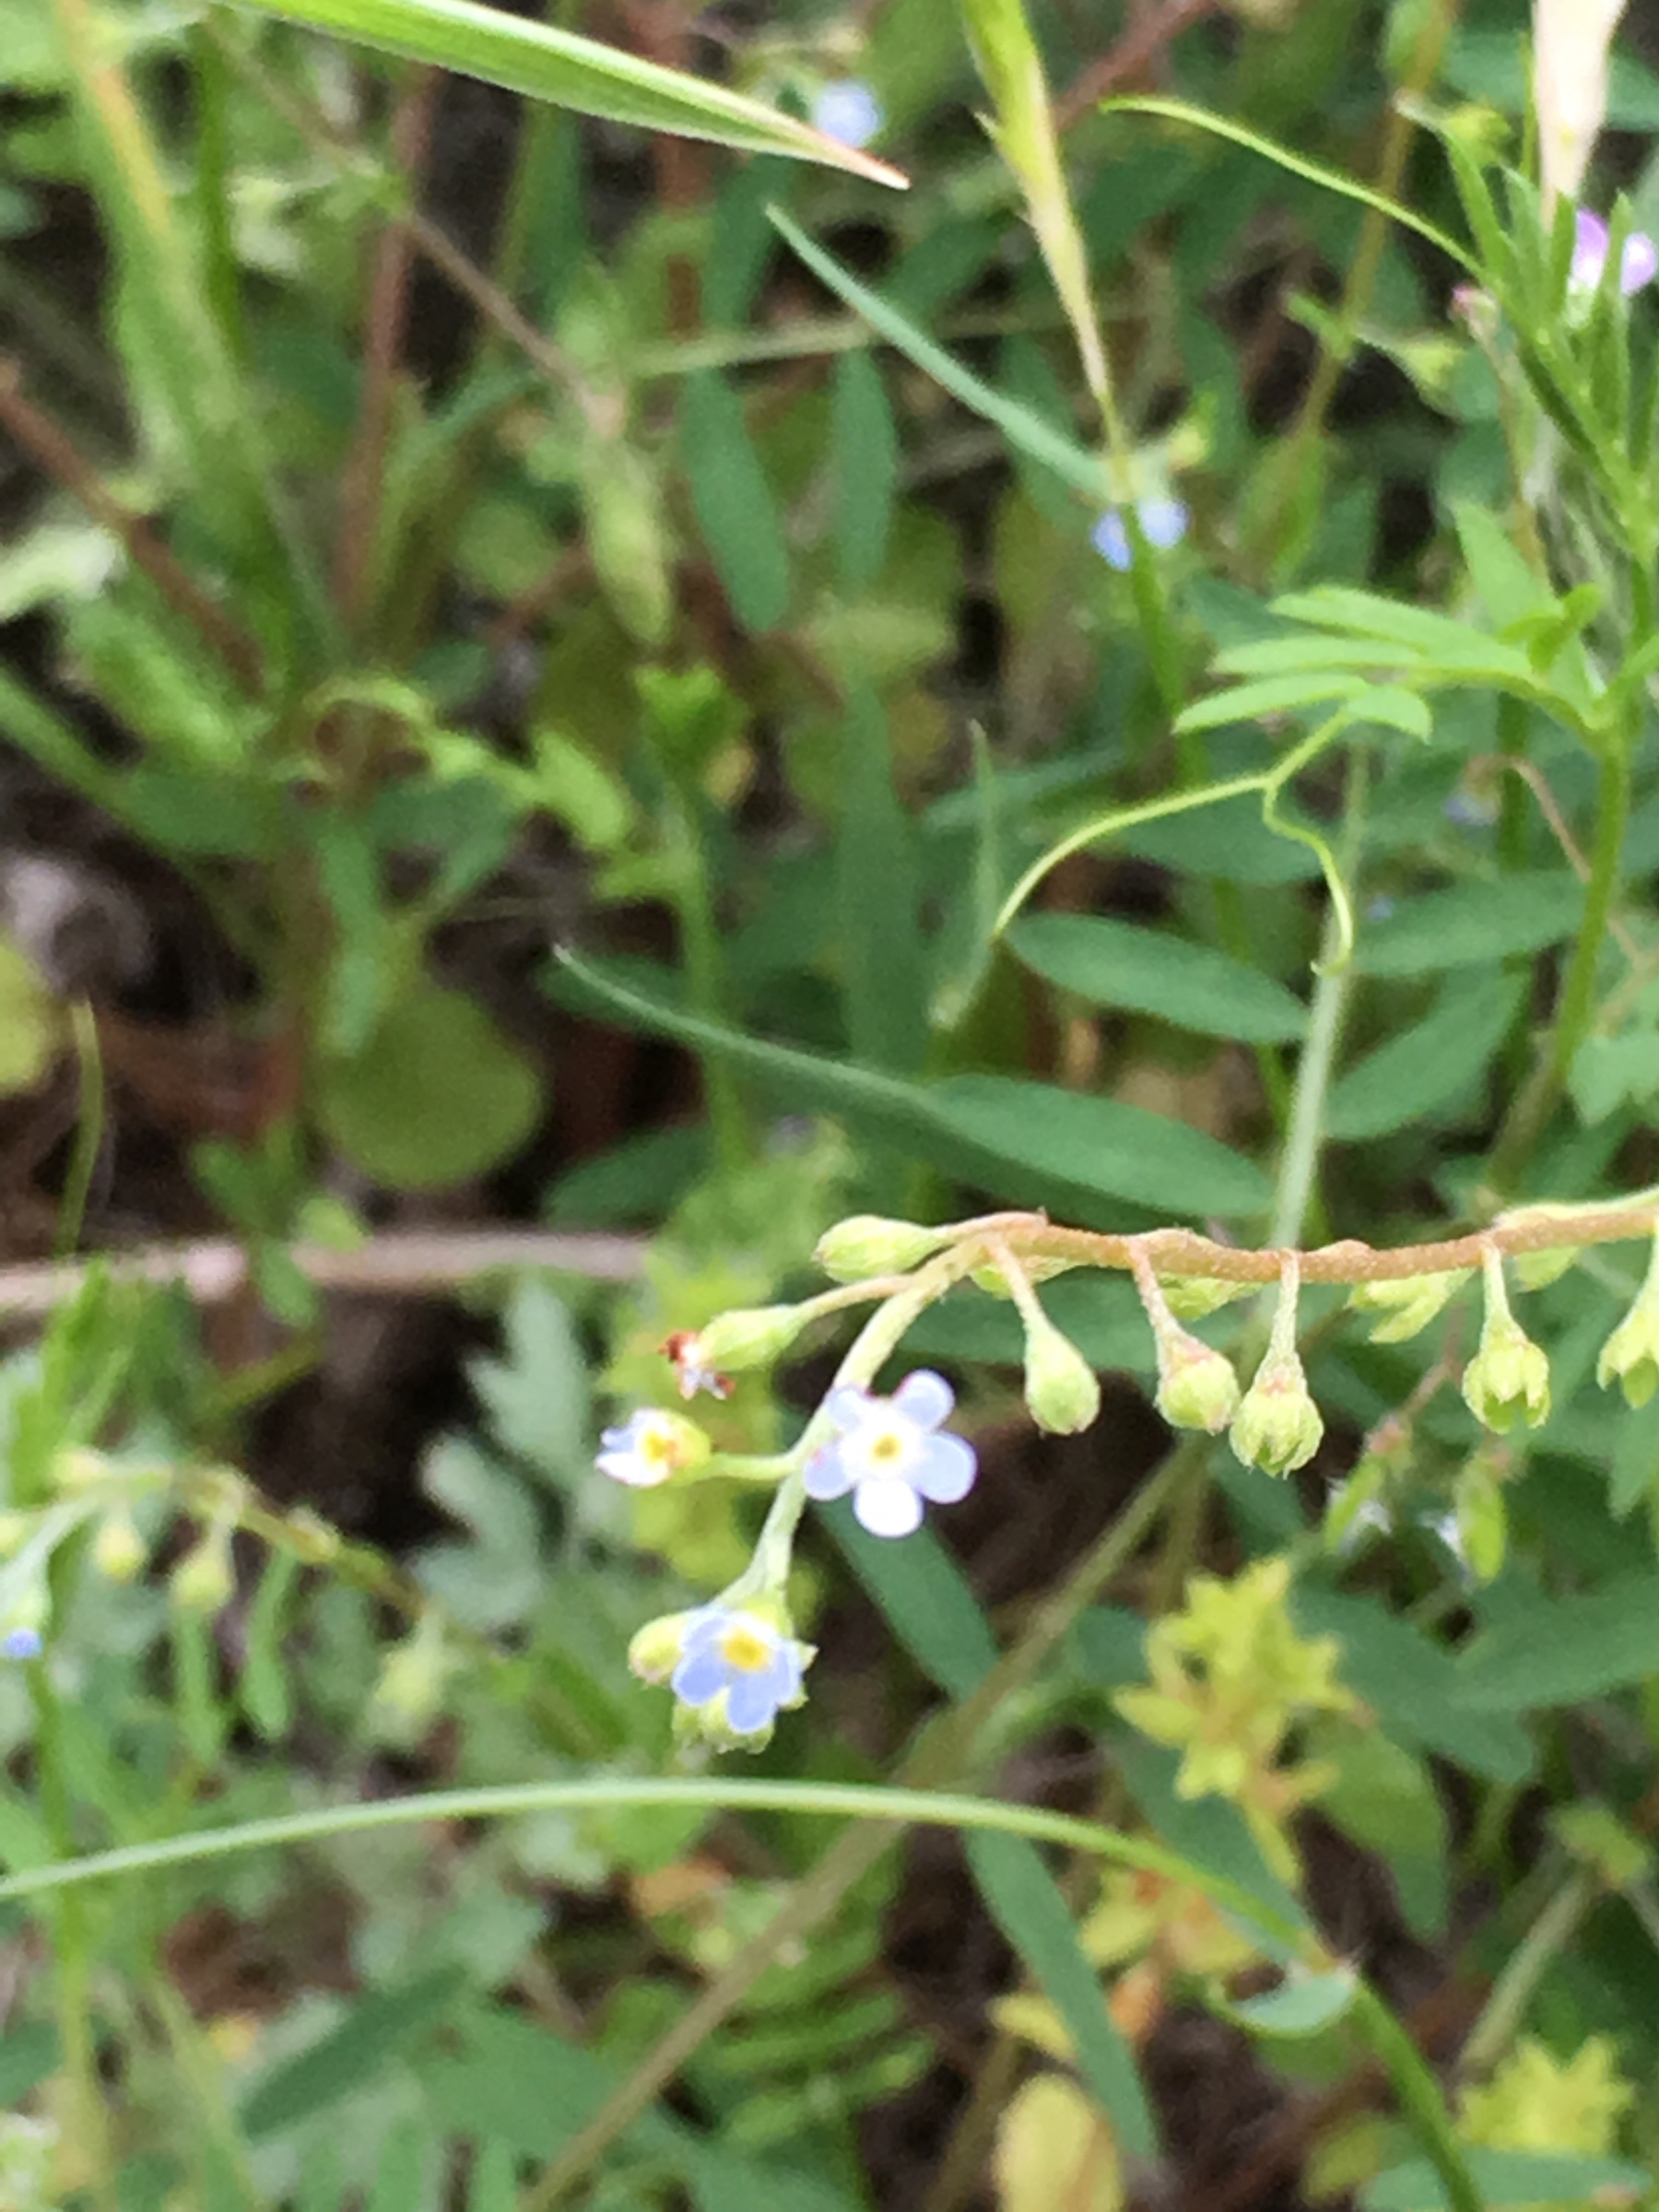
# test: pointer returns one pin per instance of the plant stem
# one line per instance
(1575, 1009)
(74, 1951)
(1420, 2097)
(1524, 1967)
(705, 978)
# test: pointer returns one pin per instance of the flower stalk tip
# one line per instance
(1508, 1379)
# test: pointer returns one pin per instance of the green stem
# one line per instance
(1421, 2098)
(73, 1949)
(1575, 1009)
(1524, 1968)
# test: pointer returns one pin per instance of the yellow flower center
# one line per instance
(746, 1650)
(885, 1447)
(657, 1446)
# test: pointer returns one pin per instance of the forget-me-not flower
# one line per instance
(889, 1454)
(1638, 265)
(1163, 523)
(737, 1656)
(21, 1643)
(847, 110)
(650, 1447)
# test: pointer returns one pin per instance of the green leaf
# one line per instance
(1413, 631)
(1473, 921)
(1303, 2004)
(371, 2034)
(1414, 1688)
(1562, 1651)
(1211, 1834)
(409, 2153)
(735, 506)
(438, 1094)
(926, 1600)
(1023, 429)
(1118, 964)
(883, 981)
(1430, 1064)
(1101, 1145)
(1272, 695)
(1020, 1896)
(573, 72)
(1507, 2178)
(863, 452)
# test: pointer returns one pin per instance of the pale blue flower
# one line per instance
(1163, 523)
(888, 1453)
(1638, 266)
(847, 110)
(737, 1656)
(650, 1447)
(21, 1643)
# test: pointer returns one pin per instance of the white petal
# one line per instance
(826, 1474)
(924, 1398)
(887, 1507)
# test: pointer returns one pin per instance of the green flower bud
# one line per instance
(1277, 1425)
(413, 1678)
(1196, 1385)
(1190, 1297)
(205, 1581)
(748, 1336)
(654, 1651)
(1537, 1270)
(1508, 1379)
(1406, 1304)
(80, 1469)
(1630, 1356)
(868, 1244)
(118, 1551)
(1061, 1388)
(15, 1532)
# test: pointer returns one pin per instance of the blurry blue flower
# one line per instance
(650, 1447)
(21, 1643)
(847, 110)
(1163, 523)
(1471, 809)
(741, 1658)
(887, 1454)
(1638, 265)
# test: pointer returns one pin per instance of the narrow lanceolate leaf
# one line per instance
(1115, 963)
(573, 72)
(1019, 425)
(733, 501)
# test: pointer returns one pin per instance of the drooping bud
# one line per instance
(80, 1469)
(1191, 1297)
(412, 1677)
(118, 1551)
(204, 1580)
(1630, 1356)
(1196, 1385)
(868, 1244)
(1061, 1388)
(1277, 1425)
(1508, 1379)
(1406, 1304)
(654, 1651)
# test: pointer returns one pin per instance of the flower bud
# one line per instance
(80, 1469)
(1277, 1425)
(118, 1551)
(748, 1336)
(1537, 1270)
(1406, 1304)
(1508, 1379)
(205, 1581)
(868, 1244)
(1630, 1356)
(15, 1532)
(1196, 1385)
(654, 1651)
(1480, 1513)
(412, 1677)
(1061, 1388)
(1190, 1297)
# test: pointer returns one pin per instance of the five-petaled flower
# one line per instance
(888, 1455)
(1638, 265)
(737, 1657)
(847, 110)
(650, 1447)
(1163, 523)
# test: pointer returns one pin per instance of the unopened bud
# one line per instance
(1190, 1297)
(1407, 1304)
(1196, 1385)
(1061, 1389)
(868, 1244)
(1630, 1356)
(1508, 1379)
(1480, 1515)
(205, 1581)
(118, 1551)
(1277, 1425)
(654, 1651)
(15, 1532)
(413, 1675)
(748, 1336)
(80, 1469)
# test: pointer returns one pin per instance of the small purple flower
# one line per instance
(1163, 523)
(741, 1657)
(847, 110)
(21, 1643)
(888, 1455)
(1638, 265)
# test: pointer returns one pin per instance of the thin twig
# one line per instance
(1133, 54)
(53, 450)
(399, 1264)
(1537, 784)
